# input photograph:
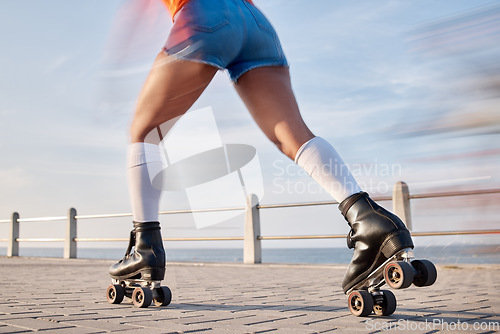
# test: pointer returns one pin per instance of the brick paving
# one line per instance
(68, 296)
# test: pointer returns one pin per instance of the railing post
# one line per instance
(401, 203)
(13, 247)
(252, 250)
(69, 242)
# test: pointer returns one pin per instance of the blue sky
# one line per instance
(358, 79)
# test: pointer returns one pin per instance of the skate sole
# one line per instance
(146, 274)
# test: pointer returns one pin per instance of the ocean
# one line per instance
(473, 254)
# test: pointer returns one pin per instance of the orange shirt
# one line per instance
(174, 6)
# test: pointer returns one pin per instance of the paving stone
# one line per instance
(68, 296)
(11, 329)
(34, 324)
(77, 330)
(99, 324)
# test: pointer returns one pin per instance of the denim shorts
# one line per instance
(228, 34)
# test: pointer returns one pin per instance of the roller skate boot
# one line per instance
(383, 253)
(139, 274)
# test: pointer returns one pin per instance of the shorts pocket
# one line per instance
(260, 18)
(204, 15)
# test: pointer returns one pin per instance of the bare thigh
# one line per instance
(169, 91)
(267, 93)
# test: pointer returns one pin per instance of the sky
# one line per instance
(398, 98)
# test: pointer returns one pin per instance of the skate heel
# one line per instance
(152, 274)
(397, 242)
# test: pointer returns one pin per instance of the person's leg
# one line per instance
(267, 93)
(376, 234)
(170, 90)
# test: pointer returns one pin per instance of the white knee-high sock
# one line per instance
(322, 162)
(144, 163)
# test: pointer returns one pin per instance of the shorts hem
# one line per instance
(235, 78)
(195, 60)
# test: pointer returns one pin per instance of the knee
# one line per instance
(141, 131)
(289, 151)
(151, 128)
(290, 143)
(137, 133)
(288, 148)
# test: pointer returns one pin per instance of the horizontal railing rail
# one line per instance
(252, 238)
(413, 234)
(456, 193)
(164, 239)
(40, 239)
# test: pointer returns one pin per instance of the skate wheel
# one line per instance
(386, 303)
(398, 275)
(142, 297)
(360, 303)
(427, 273)
(115, 294)
(164, 296)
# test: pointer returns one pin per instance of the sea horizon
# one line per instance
(448, 254)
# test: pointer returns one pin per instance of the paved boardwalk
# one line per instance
(68, 296)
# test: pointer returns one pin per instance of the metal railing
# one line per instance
(252, 252)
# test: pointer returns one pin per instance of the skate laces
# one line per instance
(344, 208)
(140, 227)
(131, 243)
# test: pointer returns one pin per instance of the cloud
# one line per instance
(56, 63)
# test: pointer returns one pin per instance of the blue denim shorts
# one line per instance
(228, 34)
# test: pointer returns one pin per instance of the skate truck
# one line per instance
(399, 272)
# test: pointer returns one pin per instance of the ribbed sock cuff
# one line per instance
(142, 153)
(301, 149)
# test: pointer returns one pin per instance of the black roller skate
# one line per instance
(383, 253)
(139, 274)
